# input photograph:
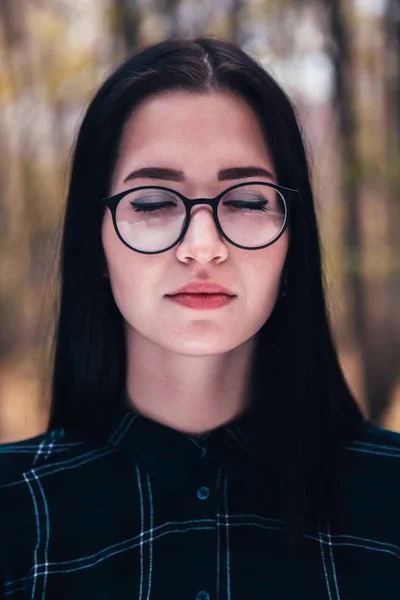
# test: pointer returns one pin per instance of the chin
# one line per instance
(201, 347)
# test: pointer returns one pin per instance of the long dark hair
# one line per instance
(303, 403)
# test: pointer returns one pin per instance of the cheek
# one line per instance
(263, 284)
(126, 269)
(263, 275)
(134, 280)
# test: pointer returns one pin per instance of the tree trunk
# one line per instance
(341, 57)
(371, 306)
(127, 20)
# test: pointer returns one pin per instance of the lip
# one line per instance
(202, 288)
(202, 301)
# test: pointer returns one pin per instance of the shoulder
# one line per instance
(370, 479)
(376, 452)
(49, 448)
(379, 444)
(51, 477)
(55, 467)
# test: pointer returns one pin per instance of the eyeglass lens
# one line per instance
(152, 219)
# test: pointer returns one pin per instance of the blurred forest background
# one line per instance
(340, 63)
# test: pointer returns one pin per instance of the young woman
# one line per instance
(203, 442)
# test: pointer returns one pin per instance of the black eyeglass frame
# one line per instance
(287, 194)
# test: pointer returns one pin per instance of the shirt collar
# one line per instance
(171, 455)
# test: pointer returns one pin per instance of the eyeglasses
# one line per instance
(154, 219)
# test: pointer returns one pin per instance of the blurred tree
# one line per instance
(391, 181)
(127, 23)
(171, 15)
(374, 333)
(235, 21)
(14, 245)
(42, 84)
(340, 53)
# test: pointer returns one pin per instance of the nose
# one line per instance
(202, 242)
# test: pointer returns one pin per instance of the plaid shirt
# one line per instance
(147, 512)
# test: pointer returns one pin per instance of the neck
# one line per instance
(193, 394)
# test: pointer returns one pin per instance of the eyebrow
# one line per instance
(173, 175)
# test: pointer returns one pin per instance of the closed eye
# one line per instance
(153, 207)
(248, 205)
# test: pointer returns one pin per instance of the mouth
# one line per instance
(208, 289)
(205, 295)
(202, 301)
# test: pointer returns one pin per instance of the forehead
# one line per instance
(195, 128)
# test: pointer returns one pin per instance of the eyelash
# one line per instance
(236, 204)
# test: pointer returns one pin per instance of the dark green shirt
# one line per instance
(145, 512)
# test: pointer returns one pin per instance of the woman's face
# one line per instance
(198, 135)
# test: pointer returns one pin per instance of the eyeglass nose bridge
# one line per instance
(213, 202)
(191, 202)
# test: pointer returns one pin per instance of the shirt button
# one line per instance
(202, 494)
(203, 596)
(203, 452)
